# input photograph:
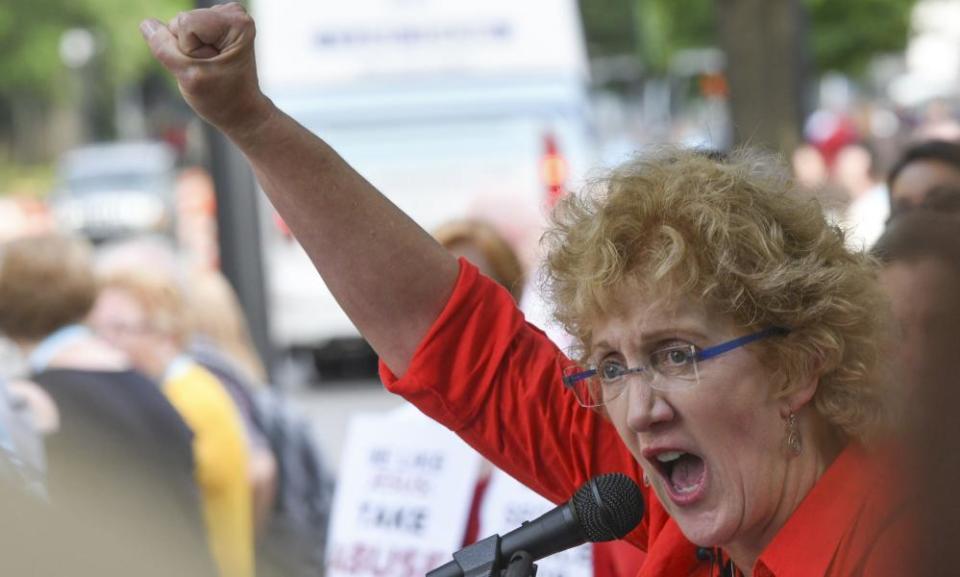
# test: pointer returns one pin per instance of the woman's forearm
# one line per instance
(389, 276)
(387, 273)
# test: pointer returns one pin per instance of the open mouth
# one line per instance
(685, 475)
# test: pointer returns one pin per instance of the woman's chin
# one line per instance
(697, 510)
(702, 535)
(704, 527)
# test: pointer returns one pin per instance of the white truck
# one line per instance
(452, 109)
(111, 190)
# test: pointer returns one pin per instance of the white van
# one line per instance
(451, 109)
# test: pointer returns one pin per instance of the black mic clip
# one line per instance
(483, 559)
(521, 565)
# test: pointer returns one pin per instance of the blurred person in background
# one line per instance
(117, 453)
(855, 170)
(38, 539)
(921, 255)
(921, 168)
(291, 485)
(938, 122)
(809, 169)
(292, 488)
(936, 440)
(27, 413)
(218, 321)
(830, 129)
(482, 245)
(143, 314)
(220, 342)
(920, 252)
(943, 199)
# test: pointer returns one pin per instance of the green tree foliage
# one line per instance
(846, 34)
(610, 28)
(843, 34)
(670, 25)
(30, 32)
(29, 39)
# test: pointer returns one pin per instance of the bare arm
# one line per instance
(389, 275)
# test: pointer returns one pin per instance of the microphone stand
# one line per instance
(483, 559)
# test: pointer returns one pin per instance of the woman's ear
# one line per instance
(801, 390)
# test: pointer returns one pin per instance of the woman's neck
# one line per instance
(822, 444)
(78, 349)
(155, 364)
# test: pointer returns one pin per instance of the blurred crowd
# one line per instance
(141, 411)
(138, 426)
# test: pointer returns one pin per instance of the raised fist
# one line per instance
(210, 53)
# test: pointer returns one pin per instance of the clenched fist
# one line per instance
(210, 53)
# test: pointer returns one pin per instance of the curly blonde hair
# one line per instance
(733, 232)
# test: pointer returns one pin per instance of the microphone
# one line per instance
(606, 508)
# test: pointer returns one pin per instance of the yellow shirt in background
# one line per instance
(221, 457)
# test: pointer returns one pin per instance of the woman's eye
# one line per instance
(673, 357)
(610, 370)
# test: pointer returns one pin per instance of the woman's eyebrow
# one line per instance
(645, 338)
(669, 332)
(598, 348)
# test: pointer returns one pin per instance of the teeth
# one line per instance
(669, 456)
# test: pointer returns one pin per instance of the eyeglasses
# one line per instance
(668, 368)
(121, 329)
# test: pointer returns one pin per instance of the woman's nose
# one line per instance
(646, 406)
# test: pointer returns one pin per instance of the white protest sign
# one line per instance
(507, 503)
(304, 44)
(403, 498)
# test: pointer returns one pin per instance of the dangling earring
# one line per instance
(794, 441)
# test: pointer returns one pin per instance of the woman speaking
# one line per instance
(729, 346)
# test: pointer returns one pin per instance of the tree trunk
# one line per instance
(38, 129)
(764, 41)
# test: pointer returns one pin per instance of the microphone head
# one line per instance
(608, 507)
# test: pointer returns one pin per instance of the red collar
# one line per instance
(809, 541)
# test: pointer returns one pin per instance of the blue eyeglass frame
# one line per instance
(708, 353)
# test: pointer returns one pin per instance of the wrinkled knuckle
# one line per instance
(244, 20)
(182, 22)
(193, 79)
(243, 24)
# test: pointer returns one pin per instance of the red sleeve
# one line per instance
(495, 380)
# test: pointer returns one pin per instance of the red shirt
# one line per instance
(495, 380)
